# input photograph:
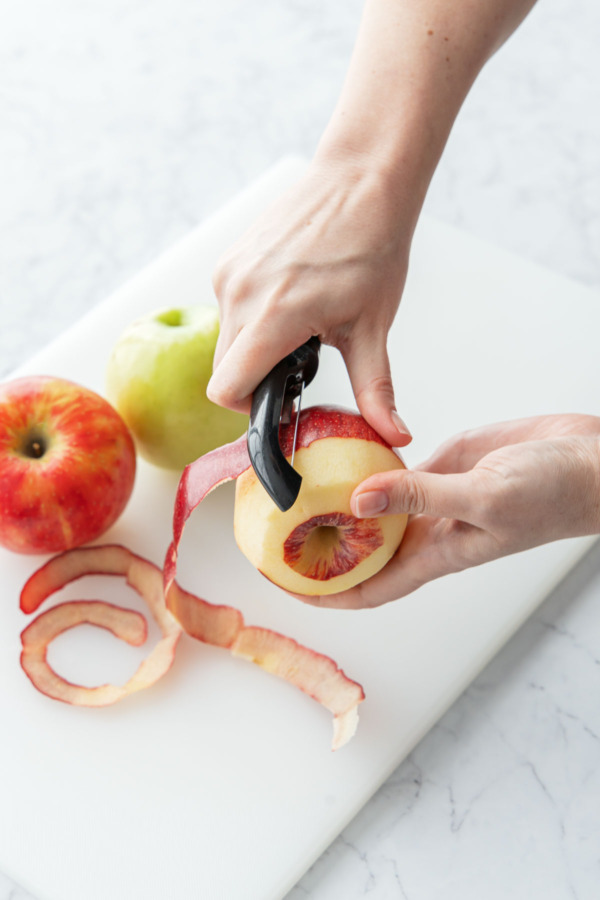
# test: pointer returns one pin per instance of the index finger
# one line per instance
(258, 347)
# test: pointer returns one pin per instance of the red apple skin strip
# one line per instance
(198, 480)
(336, 692)
(126, 624)
(330, 420)
(315, 674)
(217, 625)
(62, 569)
(142, 575)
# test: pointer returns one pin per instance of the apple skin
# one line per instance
(156, 378)
(318, 547)
(67, 465)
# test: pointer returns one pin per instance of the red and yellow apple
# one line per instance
(317, 546)
(67, 465)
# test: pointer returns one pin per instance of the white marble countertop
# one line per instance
(127, 122)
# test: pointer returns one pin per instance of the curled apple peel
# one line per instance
(222, 626)
(128, 625)
(109, 559)
(315, 674)
(208, 623)
(198, 480)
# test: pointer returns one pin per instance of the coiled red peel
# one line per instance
(175, 610)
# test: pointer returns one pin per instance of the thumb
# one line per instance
(415, 493)
(368, 366)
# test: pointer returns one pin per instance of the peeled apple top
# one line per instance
(318, 547)
(157, 377)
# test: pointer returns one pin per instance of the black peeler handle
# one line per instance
(272, 403)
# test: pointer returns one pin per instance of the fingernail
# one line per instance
(371, 503)
(400, 425)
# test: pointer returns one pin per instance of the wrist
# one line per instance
(391, 174)
(395, 129)
(412, 67)
(579, 473)
(593, 446)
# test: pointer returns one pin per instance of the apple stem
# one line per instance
(171, 317)
(35, 447)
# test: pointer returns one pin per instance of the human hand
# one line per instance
(483, 494)
(328, 259)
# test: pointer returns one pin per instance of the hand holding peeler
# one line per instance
(272, 405)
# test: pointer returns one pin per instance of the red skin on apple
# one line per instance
(67, 465)
(327, 421)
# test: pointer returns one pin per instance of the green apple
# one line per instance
(156, 378)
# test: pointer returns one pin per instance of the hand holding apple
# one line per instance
(484, 494)
(67, 465)
(317, 546)
(156, 378)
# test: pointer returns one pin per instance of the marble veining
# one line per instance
(123, 125)
(501, 798)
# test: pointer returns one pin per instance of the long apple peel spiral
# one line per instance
(314, 673)
(111, 559)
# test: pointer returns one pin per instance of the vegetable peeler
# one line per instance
(272, 405)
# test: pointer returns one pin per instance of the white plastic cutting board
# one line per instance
(219, 782)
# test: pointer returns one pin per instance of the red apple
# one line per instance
(318, 546)
(67, 465)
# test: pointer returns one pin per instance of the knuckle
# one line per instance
(408, 494)
(221, 272)
(459, 549)
(236, 288)
(231, 285)
(380, 384)
(500, 494)
(461, 445)
(501, 508)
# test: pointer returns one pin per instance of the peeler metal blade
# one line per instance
(272, 404)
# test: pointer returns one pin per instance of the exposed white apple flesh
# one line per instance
(318, 546)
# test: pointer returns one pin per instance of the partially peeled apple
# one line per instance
(317, 547)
